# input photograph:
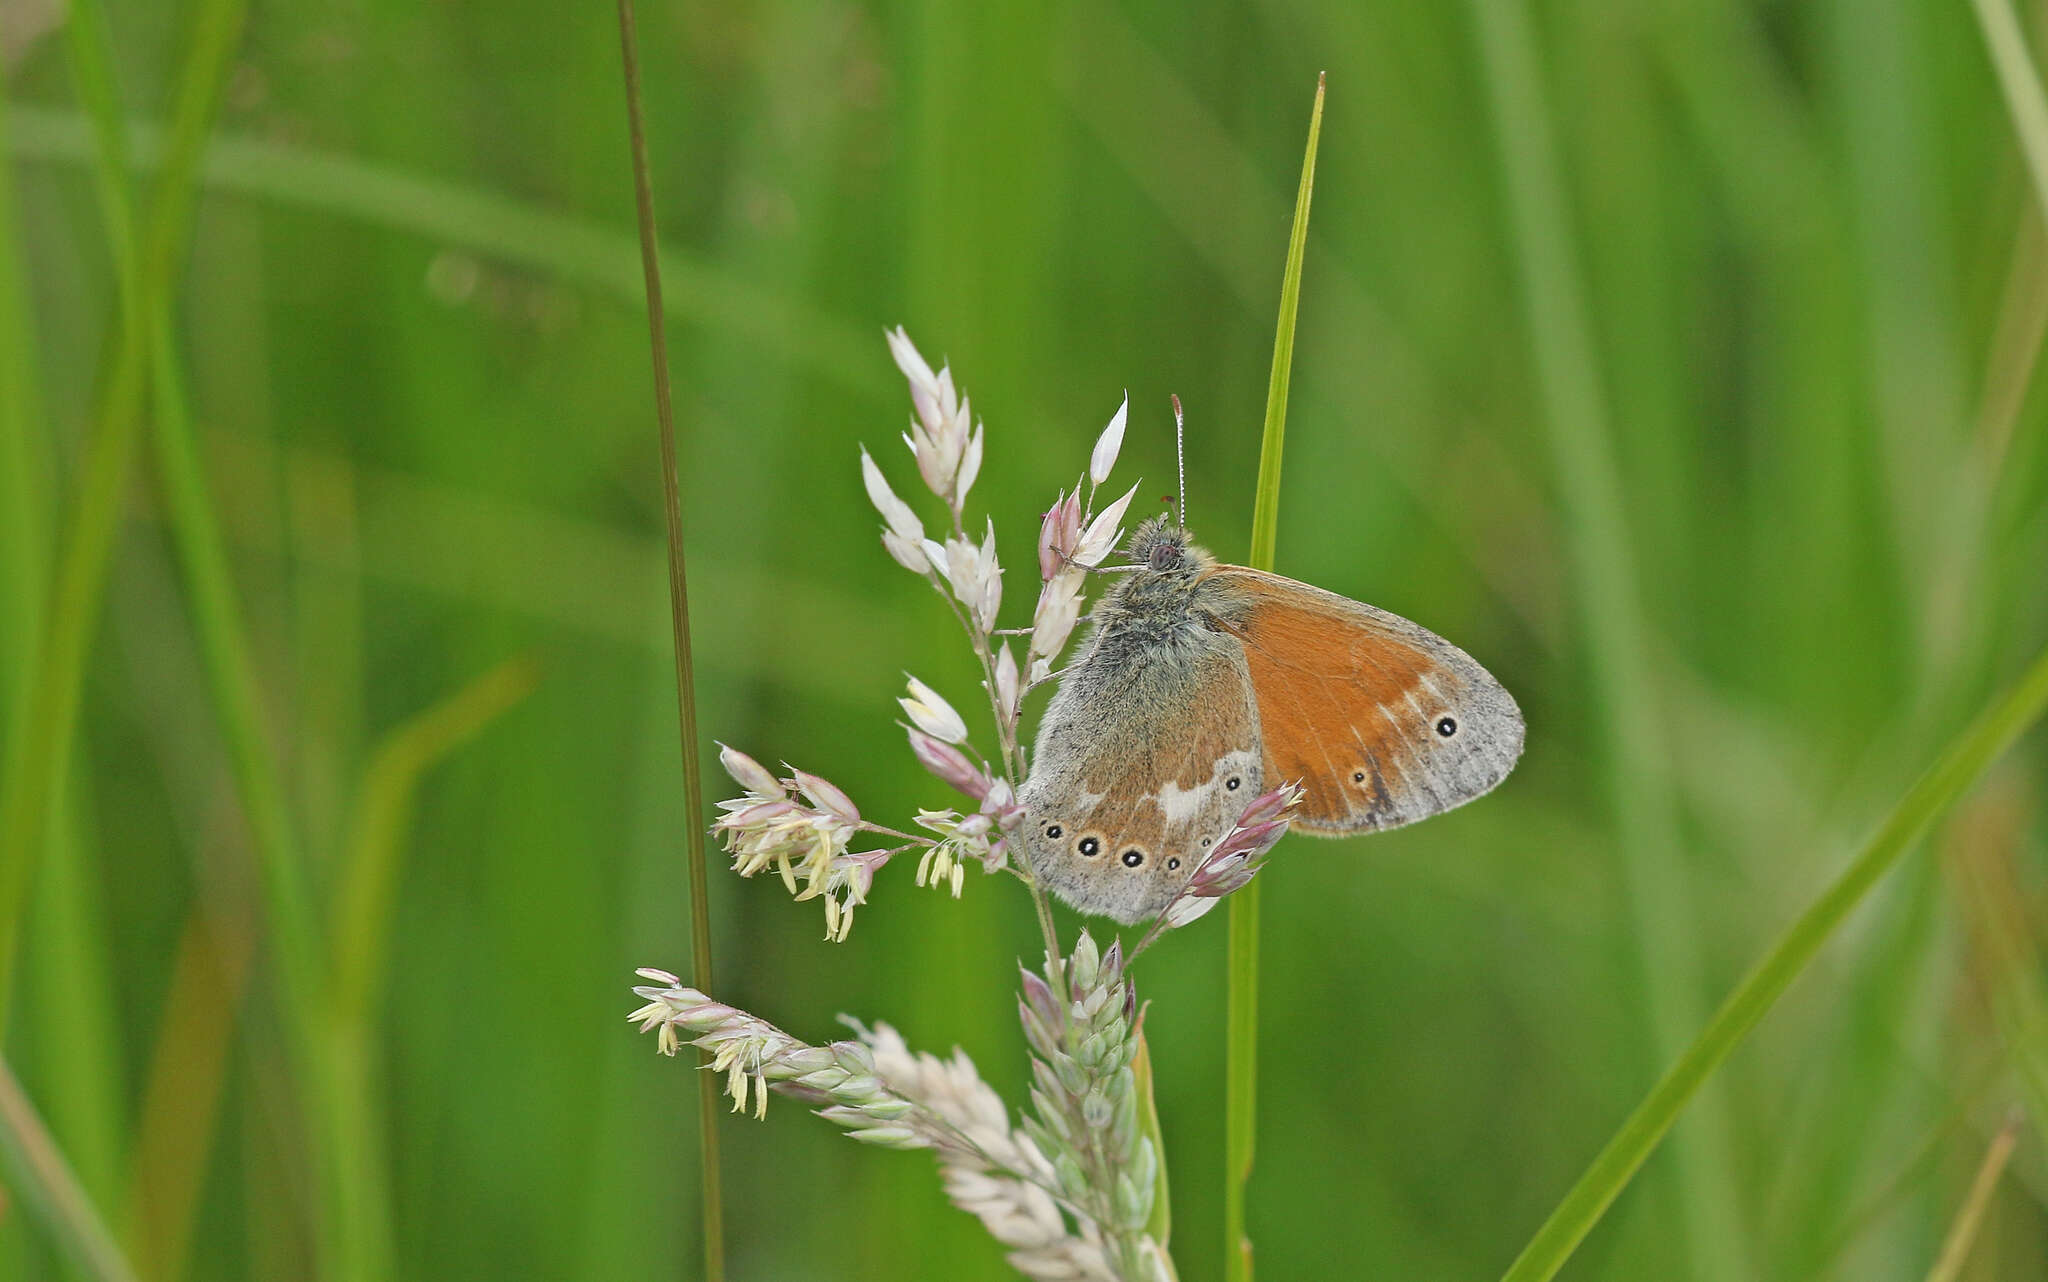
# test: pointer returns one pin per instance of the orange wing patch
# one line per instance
(1381, 720)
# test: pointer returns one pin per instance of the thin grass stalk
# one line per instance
(2019, 1005)
(38, 758)
(1962, 1233)
(710, 1187)
(1241, 1062)
(1637, 760)
(53, 1191)
(1920, 1166)
(1958, 767)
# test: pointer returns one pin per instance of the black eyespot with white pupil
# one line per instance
(1447, 727)
(1053, 832)
(1232, 783)
(1358, 776)
(1172, 864)
(1090, 847)
(1132, 858)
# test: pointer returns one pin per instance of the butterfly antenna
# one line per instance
(1180, 452)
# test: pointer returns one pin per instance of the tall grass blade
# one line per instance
(2021, 86)
(1966, 758)
(40, 1171)
(442, 212)
(1638, 764)
(711, 1190)
(362, 906)
(37, 759)
(1241, 1063)
(1962, 1233)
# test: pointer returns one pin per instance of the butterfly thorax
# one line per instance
(1160, 600)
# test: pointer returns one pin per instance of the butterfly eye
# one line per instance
(1171, 864)
(1132, 858)
(1090, 847)
(1232, 783)
(1053, 832)
(1447, 727)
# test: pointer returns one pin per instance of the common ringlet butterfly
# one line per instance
(1202, 685)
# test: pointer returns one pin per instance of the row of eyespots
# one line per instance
(1091, 846)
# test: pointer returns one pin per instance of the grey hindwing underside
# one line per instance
(1145, 758)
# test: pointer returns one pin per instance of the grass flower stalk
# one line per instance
(1078, 1190)
(711, 1193)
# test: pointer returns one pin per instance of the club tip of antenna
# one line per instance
(1180, 451)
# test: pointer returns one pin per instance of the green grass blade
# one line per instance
(33, 773)
(1638, 771)
(76, 1032)
(710, 1186)
(1952, 774)
(362, 906)
(39, 1170)
(2022, 88)
(443, 212)
(1241, 1065)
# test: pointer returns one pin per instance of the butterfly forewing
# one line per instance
(1382, 721)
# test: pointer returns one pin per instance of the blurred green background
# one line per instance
(1675, 360)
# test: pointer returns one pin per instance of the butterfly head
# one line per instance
(1165, 548)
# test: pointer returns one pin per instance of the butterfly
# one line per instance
(1203, 685)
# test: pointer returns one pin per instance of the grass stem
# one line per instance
(710, 1189)
(1962, 1233)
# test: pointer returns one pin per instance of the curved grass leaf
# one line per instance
(1952, 774)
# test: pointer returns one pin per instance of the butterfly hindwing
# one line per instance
(1381, 720)
(1119, 809)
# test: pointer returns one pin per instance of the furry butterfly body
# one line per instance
(1203, 684)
